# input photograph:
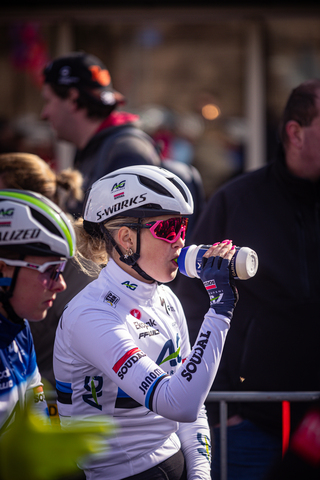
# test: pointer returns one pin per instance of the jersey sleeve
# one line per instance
(196, 446)
(110, 347)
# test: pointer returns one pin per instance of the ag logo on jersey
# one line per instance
(93, 385)
(170, 353)
(131, 286)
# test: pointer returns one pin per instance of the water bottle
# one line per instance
(243, 265)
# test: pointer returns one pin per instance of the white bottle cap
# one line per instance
(246, 263)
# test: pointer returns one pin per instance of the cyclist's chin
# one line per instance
(166, 277)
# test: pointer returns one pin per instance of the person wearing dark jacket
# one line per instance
(273, 343)
(82, 107)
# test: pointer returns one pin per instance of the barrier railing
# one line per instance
(224, 397)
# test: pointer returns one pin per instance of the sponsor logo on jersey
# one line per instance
(151, 323)
(38, 394)
(166, 305)
(140, 325)
(16, 352)
(197, 353)
(205, 450)
(28, 234)
(131, 286)
(149, 380)
(112, 299)
(117, 207)
(149, 333)
(131, 357)
(169, 353)
(5, 375)
(93, 385)
(135, 313)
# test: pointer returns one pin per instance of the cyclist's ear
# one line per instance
(126, 238)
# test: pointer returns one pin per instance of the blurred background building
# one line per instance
(208, 80)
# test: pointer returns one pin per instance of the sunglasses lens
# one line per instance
(170, 229)
(51, 275)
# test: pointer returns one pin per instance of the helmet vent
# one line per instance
(179, 187)
(45, 222)
(152, 185)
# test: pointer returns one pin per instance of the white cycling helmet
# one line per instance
(138, 191)
(33, 225)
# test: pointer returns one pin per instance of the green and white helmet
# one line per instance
(32, 224)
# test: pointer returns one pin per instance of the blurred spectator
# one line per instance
(8, 136)
(25, 171)
(273, 340)
(81, 106)
(35, 136)
(175, 136)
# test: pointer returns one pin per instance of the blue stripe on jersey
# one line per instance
(149, 397)
(122, 394)
(63, 387)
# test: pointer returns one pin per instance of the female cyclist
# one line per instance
(122, 347)
(36, 239)
(25, 171)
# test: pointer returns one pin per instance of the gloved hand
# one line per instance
(215, 275)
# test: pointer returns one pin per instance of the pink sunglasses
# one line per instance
(168, 230)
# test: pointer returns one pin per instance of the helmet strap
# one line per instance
(5, 296)
(130, 260)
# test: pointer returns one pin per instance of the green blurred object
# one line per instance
(35, 450)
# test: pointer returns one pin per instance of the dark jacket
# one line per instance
(124, 144)
(119, 145)
(273, 342)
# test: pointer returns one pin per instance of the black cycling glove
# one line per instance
(223, 294)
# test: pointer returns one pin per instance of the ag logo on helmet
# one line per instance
(117, 189)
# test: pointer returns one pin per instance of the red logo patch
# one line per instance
(135, 313)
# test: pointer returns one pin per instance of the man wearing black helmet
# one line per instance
(81, 105)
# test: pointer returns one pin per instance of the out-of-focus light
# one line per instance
(210, 111)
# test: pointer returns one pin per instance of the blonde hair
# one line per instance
(96, 248)
(26, 171)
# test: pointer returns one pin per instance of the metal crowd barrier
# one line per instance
(224, 397)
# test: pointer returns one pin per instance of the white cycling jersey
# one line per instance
(122, 349)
